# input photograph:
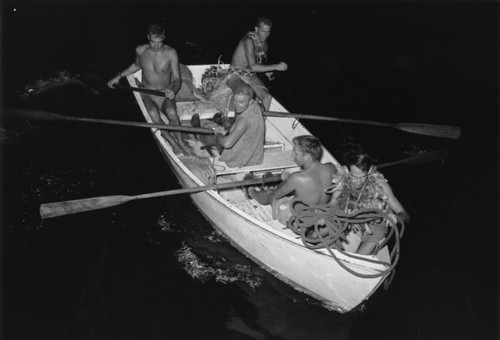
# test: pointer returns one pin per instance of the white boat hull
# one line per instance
(315, 273)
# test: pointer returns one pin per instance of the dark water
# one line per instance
(155, 268)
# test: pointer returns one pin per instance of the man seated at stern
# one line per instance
(361, 186)
(244, 144)
(307, 185)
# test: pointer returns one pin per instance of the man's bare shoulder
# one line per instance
(298, 177)
(168, 49)
(330, 167)
(241, 123)
(141, 48)
(247, 41)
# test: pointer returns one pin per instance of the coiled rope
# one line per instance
(331, 224)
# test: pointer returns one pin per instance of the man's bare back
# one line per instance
(310, 184)
(307, 185)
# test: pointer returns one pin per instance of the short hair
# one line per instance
(309, 144)
(266, 21)
(156, 29)
(355, 155)
(244, 90)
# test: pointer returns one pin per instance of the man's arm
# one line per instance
(233, 136)
(285, 188)
(134, 67)
(254, 67)
(266, 197)
(176, 80)
(394, 203)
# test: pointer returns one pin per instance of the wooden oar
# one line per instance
(50, 116)
(100, 84)
(421, 158)
(140, 89)
(435, 130)
(55, 209)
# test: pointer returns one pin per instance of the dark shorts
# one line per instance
(247, 77)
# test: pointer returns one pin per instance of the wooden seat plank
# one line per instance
(272, 161)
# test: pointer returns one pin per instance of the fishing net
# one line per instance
(187, 92)
(214, 87)
(201, 168)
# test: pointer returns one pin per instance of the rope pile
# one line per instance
(331, 225)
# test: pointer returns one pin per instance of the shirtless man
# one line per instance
(307, 185)
(244, 144)
(248, 59)
(160, 71)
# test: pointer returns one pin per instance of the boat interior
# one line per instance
(277, 156)
(277, 159)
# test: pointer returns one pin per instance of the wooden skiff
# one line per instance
(250, 227)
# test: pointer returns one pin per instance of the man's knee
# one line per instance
(171, 114)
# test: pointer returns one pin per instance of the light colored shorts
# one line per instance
(281, 209)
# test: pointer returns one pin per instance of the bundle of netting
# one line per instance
(214, 87)
(201, 168)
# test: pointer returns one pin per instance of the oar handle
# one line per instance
(140, 89)
(187, 129)
(220, 186)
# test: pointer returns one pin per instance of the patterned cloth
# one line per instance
(370, 196)
(260, 48)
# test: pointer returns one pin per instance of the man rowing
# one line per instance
(248, 59)
(160, 71)
(307, 185)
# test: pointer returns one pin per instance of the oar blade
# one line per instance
(420, 158)
(94, 81)
(55, 209)
(434, 130)
(428, 157)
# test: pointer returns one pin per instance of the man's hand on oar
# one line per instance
(101, 85)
